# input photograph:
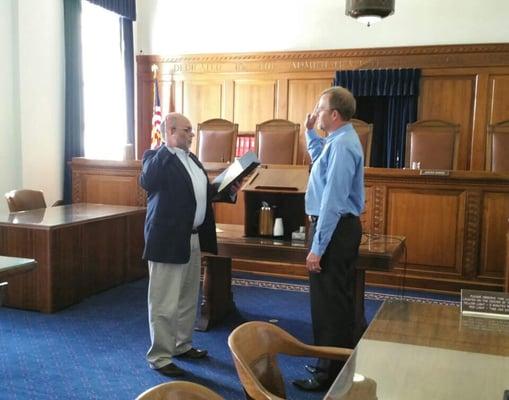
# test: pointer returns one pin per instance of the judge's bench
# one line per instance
(455, 223)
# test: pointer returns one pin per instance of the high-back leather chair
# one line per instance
(497, 148)
(25, 199)
(433, 144)
(276, 141)
(216, 140)
(365, 132)
(254, 347)
(179, 390)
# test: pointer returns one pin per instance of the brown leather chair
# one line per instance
(179, 390)
(254, 347)
(27, 199)
(276, 141)
(497, 148)
(216, 140)
(365, 132)
(433, 144)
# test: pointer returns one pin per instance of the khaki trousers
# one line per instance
(172, 301)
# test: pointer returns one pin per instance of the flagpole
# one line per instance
(154, 68)
(155, 134)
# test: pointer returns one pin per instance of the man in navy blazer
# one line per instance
(178, 226)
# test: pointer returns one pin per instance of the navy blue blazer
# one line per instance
(171, 206)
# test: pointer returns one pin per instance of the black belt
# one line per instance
(314, 218)
(194, 231)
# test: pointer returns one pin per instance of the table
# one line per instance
(426, 351)
(378, 252)
(10, 266)
(80, 249)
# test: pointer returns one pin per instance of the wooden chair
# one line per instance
(497, 147)
(27, 199)
(216, 140)
(179, 390)
(433, 144)
(365, 132)
(276, 141)
(254, 347)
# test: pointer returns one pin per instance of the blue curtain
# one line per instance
(124, 8)
(74, 142)
(126, 26)
(387, 98)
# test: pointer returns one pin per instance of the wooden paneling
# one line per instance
(429, 220)
(256, 87)
(107, 182)
(498, 95)
(302, 97)
(495, 215)
(450, 98)
(254, 102)
(109, 189)
(202, 100)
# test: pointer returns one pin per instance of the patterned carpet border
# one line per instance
(304, 288)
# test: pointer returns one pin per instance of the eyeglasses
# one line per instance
(188, 130)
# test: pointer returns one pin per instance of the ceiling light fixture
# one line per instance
(369, 11)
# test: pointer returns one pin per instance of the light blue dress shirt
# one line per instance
(336, 181)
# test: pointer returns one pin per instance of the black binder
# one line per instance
(240, 168)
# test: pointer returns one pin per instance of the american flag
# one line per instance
(156, 119)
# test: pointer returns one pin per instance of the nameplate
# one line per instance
(481, 303)
(434, 172)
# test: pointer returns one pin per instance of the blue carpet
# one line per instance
(96, 349)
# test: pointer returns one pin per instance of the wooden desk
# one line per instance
(10, 266)
(376, 253)
(426, 351)
(80, 249)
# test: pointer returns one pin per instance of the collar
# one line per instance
(339, 132)
(177, 150)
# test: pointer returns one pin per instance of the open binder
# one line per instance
(240, 168)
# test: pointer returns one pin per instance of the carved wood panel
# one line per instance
(472, 236)
(450, 98)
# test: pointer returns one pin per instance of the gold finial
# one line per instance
(154, 68)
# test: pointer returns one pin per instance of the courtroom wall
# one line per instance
(32, 96)
(224, 26)
(463, 84)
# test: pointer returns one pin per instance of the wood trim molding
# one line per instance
(331, 60)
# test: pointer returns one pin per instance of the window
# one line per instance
(104, 92)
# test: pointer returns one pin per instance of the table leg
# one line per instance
(217, 297)
(3, 286)
(360, 318)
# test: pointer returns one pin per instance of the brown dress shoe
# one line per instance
(193, 354)
(171, 370)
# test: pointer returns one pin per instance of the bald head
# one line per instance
(177, 131)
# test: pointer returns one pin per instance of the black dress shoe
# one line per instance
(171, 370)
(312, 369)
(311, 384)
(193, 354)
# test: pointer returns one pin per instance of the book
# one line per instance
(240, 168)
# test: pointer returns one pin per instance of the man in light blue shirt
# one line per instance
(334, 201)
